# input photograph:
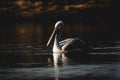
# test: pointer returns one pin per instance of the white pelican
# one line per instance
(67, 45)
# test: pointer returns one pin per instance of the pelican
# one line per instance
(67, 45)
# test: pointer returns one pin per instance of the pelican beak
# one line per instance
(52, 35)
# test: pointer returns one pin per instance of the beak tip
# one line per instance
(47, 45)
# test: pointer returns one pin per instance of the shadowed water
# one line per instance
(24, 55)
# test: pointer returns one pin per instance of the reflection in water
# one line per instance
(29, 32)
(94, 67)
(64, 59)
(56, 69)
(56, 58)
(60, 57)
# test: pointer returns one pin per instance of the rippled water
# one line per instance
(24, 55)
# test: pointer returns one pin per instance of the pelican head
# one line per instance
(57, 30)
(59, 24)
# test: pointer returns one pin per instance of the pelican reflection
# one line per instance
(60, 58)
(56, 71)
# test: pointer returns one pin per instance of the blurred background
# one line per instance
(89, 19)
(53, 10)
(26, 25)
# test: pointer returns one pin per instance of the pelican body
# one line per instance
(67, 45)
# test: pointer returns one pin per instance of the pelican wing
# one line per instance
(72, 44)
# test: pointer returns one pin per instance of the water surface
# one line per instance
(24, 55)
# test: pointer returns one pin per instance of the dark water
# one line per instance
(24, 55)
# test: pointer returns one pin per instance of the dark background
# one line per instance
(103, 14)
(93, 11)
